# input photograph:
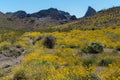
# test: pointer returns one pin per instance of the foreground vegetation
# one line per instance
(73, 55)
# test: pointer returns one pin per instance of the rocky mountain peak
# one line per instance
(19, 14)
(90, 11)
(53, 13)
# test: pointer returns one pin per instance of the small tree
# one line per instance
(49, 41)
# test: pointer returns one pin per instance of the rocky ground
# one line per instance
(10, 57)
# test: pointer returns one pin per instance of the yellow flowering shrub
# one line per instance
(65, 61)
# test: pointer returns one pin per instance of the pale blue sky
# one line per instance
(74, 7)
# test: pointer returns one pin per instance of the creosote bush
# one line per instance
(20, 75)
(117, 48)
(36, 39)
(88, 62)
(5, 45)
(49, 41)
(105, 62)
(94, 76)
(93, 47)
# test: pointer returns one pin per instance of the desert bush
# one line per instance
(69, 46)
(117, 48)
(89, 76)
(36, 39)
(49, 41)
(20, 75)
(88, 62)
(93, 76)
(93, 47)
(4, 70)
(1, 74)
(5, 46)
(18, 46)
(105, 62)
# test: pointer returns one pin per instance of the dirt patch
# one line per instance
(10, 57)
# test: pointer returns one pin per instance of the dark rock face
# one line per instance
(90, 12)
(19, 14)
(73, 17)
(53, 13)
(43, 18)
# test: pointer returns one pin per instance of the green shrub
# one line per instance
(1, 74)
(87, 62)
(20, 75)
(105, 62)
(49, 41)
(117, 48)
(36, 39)
(4, 47)
(89, 76)
(93, 47)
(4, 70)
(93, 76)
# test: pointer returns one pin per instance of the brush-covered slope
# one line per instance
(66, 61)
(104, 18)
(44, 18)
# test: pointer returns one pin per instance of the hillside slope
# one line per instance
(43, 18)
(104, 18)
(66, 61)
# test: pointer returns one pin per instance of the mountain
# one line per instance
(54, 14)
(90, 11)
(43, 18)
(101, 19)
(56, 20)
(51, 12)
(19, 14)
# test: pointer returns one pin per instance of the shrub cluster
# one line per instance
(20, 75)
(118, 48)
(49, 41)
(93, 47)
(105, 62)
(88, 62)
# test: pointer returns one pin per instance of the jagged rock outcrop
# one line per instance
(90, 11)
(54, 14)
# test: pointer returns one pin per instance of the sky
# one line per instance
(74, 7)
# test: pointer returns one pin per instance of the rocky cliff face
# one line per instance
(90, 12)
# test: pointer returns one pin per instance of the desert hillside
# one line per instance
(104, 18)
(73, 55)
(53, 45)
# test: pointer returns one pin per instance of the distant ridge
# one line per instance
(53, 19)
(51, 12)
(43, 18)
(101, 19)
